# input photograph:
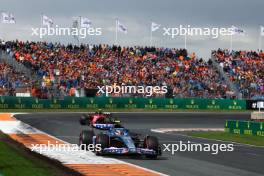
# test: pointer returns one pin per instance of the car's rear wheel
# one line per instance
(152, 142)
(86, 138)
(104, 141)
(84, 120)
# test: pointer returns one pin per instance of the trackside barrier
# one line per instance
(245, 127)
(120, 102)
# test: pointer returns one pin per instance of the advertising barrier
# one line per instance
(245, 127)
(255, 104)
(120, 102)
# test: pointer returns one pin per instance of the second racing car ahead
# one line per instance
(92, 118)
(114, 138)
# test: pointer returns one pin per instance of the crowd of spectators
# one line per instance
(69, 67)
(10, 80)
(245, 69)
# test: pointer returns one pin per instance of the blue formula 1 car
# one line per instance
(115, 139)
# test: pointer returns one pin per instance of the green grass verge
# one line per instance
(118, 110)
(15, 162)
(244, 139)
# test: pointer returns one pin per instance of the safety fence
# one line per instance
(245, 127)
(118, 102)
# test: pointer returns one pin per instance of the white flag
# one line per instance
(46, 21)
(8, 18)
(154, 26)
(75, 23)
(121, 27)
(237, 31)
(262, 30)
(85, 22)
(74, 32)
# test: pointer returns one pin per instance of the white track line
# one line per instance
(184, 135)
(166, 130)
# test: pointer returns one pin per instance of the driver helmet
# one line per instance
(100, 111)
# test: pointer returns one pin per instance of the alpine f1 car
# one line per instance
(115, 139)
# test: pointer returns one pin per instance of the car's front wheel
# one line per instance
(152, 142)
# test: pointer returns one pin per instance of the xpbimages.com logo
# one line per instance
(196, 147)
(65, 31)
(124, 89)
(197, 31)
(61, 147)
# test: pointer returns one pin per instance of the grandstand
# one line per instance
(245, 69)
(12, 81)
(61, 70)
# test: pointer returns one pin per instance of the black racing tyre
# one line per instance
(84, 120)
(103, 140)
(86, 138)
(152, 142)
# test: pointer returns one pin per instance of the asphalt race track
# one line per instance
(244, 160)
